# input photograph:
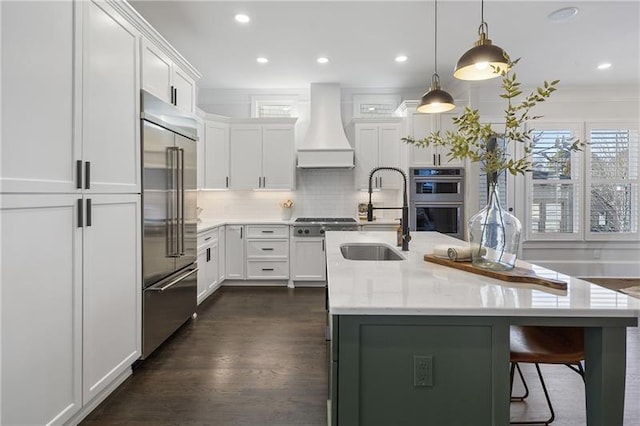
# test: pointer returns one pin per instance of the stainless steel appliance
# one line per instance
(436, 200)
(169, 221)
(317, 226)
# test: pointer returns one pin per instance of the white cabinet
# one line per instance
(39, 141)
(234, 252)
(84, 100)
(267, 252)
(208, 263)
(111, 297)
(222, 268)
(71, 325)
(216, 155)
(262, 156)
(377, 144)
(41, 309)
(421, 125)
(165, 79)
(308, 259)
(110, 101)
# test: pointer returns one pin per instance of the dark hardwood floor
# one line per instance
(254, 356)
(257, 356)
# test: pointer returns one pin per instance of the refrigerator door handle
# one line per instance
(172, 206)
(172, 283)
(180, 153)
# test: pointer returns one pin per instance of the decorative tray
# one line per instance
(519, 275)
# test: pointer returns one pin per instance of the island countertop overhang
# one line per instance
(415, 287)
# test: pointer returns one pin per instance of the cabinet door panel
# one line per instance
(234, 252)
(212, 267)
(202, 274)
(422, 126)
(389, 155)
(41, 279)
(245, 157)
(112, 290)
(222, 256)
(111, 123)
(156, 71)
(366, 154)
(278, 157)
(185, 90)
(39, 147)
(216, 151)
(308, 262)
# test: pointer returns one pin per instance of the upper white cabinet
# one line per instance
(165, 79)
(82, 90)
(420, 125)
(39, 141)
(262, 155)
(377, 144)
(215, 148)
(110, 101)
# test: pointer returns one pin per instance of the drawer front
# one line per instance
(267, 270)
(206, 238)
(267, 231)
(268, 248)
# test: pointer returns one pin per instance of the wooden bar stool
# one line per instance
(545, 345)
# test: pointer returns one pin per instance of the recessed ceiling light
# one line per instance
(322, 60)
(242, 18)
(401, 58)
(563, 15)
(262, 60)
(604, 66)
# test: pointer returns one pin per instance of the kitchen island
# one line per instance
(420, 343)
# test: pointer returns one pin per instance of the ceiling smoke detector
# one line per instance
(563, 15)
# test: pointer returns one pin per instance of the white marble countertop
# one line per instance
(415, 287)
(208, 224)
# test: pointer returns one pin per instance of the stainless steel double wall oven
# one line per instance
(436, 200)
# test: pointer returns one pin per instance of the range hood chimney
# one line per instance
(326, 145)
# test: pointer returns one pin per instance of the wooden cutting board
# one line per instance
(518, 275)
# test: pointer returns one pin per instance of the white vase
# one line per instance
(286, 213)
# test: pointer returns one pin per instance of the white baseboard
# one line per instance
(88, 408)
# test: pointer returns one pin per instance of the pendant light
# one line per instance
(478, 63)
(436, 100)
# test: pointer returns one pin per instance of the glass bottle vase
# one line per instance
(494, 235)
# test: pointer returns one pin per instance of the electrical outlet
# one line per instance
(422, 371)
(596, 253)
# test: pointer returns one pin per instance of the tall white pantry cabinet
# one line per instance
(70, 207)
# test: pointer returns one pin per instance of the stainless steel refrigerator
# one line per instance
(169, 221)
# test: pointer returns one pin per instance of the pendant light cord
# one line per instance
(435, 18)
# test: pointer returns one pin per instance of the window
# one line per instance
(613, 181)
(274, 106)
(554, 184)
(374, 106)
(590, 195)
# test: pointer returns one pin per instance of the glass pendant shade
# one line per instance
(436, 100)
(483, 61)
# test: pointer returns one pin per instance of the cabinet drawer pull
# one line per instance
(267, 269)
(267, 232)
(267, 248)
(207, 239)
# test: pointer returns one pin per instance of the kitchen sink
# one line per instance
(369, 251)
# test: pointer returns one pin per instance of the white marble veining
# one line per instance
(208, 224)
(415, 287)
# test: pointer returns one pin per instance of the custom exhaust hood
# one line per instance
(326, 145)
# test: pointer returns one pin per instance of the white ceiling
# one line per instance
(362, 38)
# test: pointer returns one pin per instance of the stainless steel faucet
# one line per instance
(406, 237)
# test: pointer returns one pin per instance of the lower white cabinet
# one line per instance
(267, 251)
(71, 284)
(111, 297)
(208, 263)
(41, 309)
(234, 252)
(308, 260)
